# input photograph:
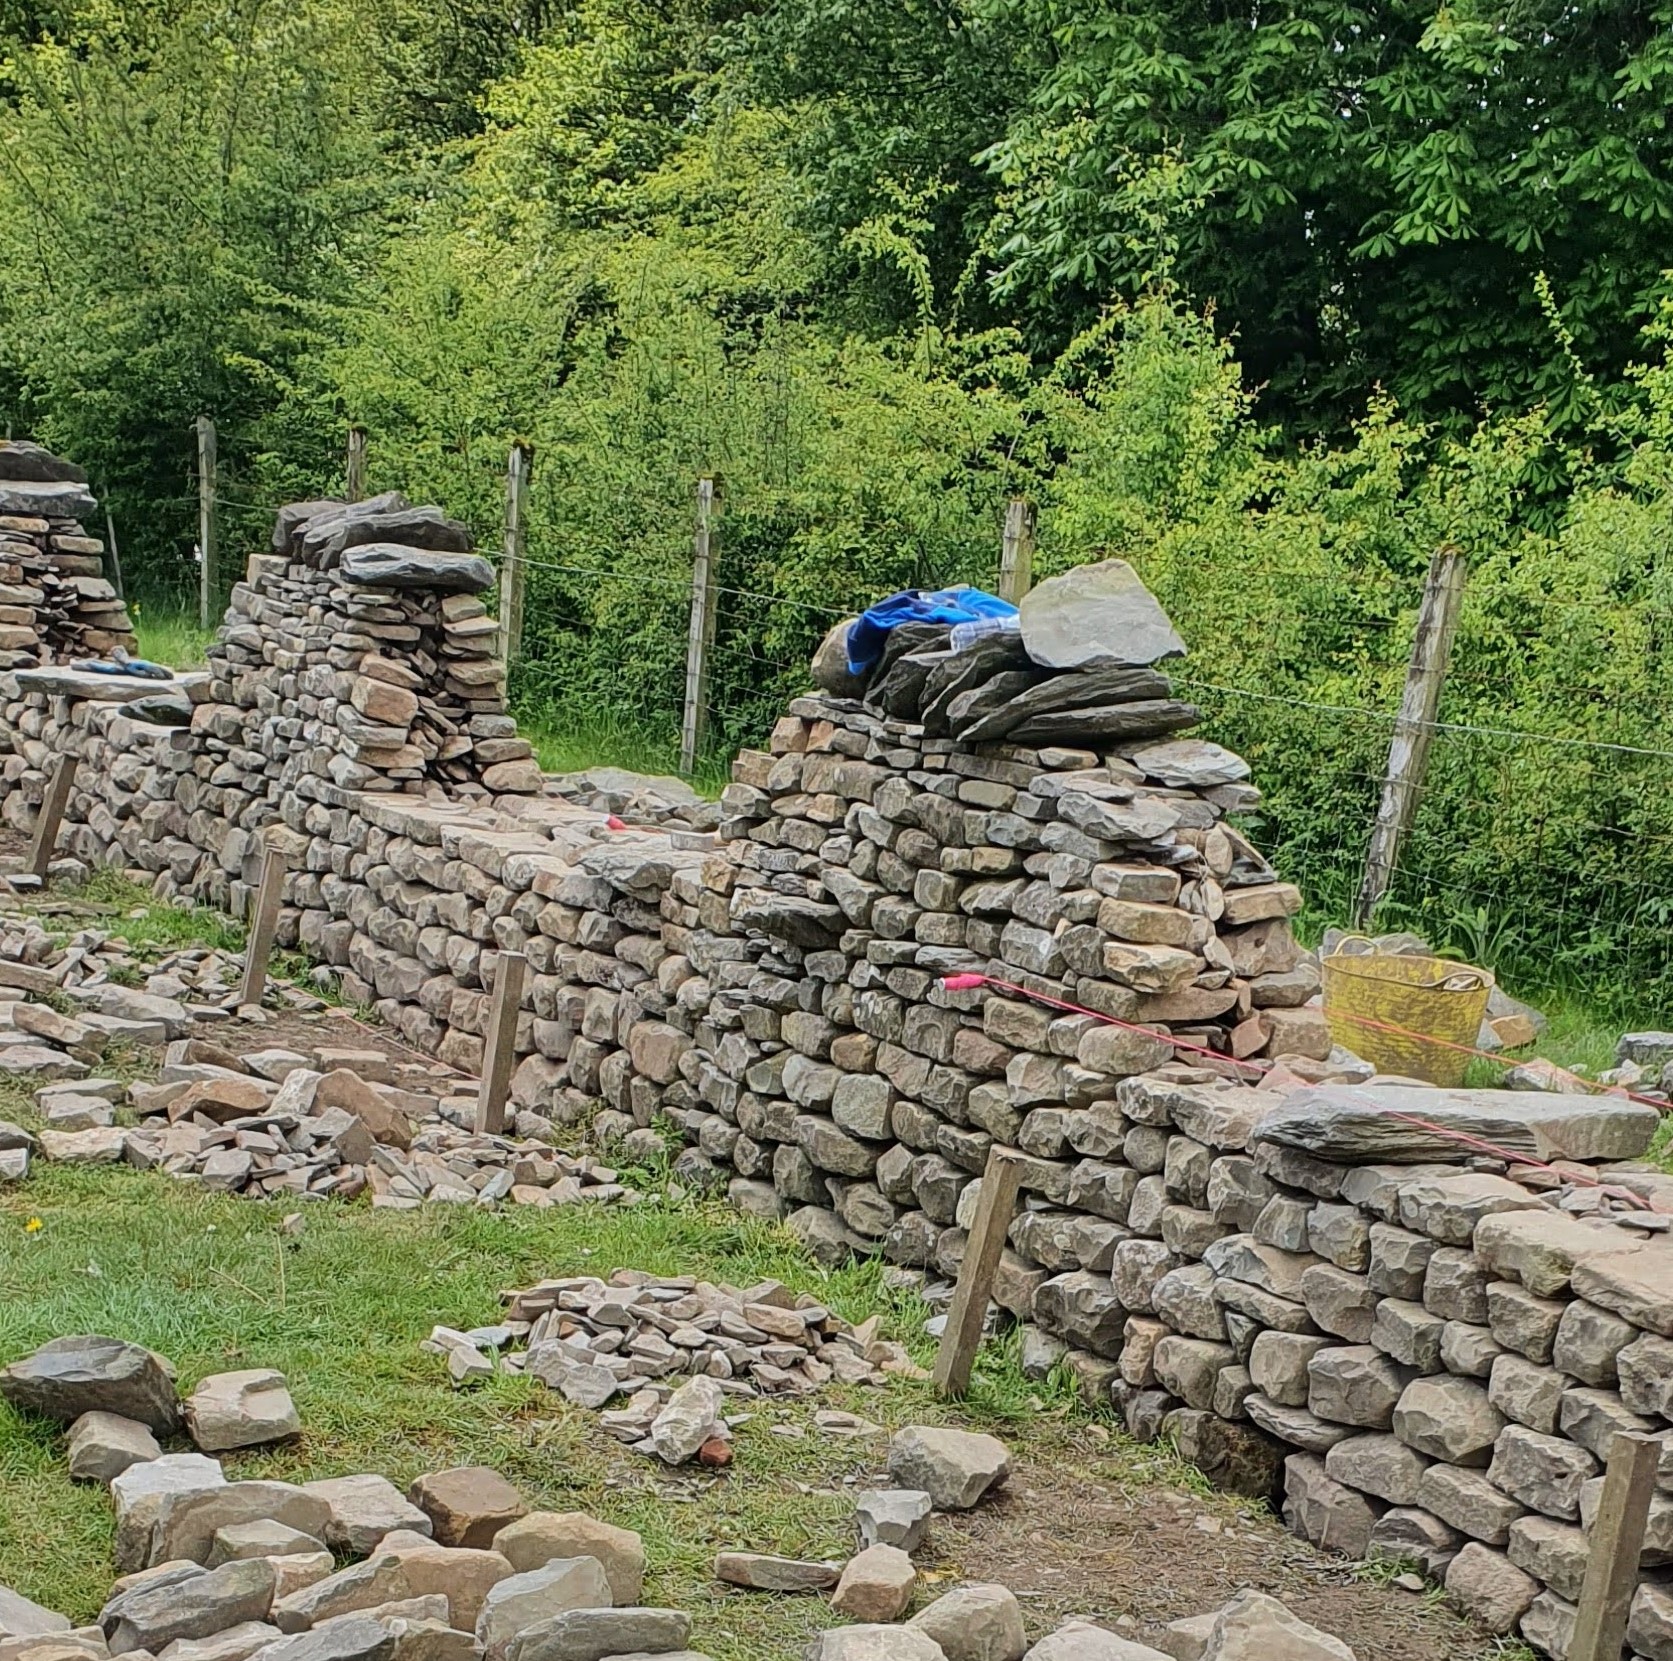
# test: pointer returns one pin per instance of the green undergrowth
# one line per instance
(170, 637)
(571, 742)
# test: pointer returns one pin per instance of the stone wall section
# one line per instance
(1415, 1349)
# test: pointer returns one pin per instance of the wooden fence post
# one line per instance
(1614, 1543)
(53, 804)
(115, 562)
(1016, 551)
(514, 571)
(264, 924)
(208, 585)
(501, 1054)
(994, 1208)
(355, 468)
(1414, 727)
(701, 632)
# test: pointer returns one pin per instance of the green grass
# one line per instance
(566, 744)
(145, 924)
(209, 1282)
(170, 637)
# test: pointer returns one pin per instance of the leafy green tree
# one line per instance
(1372, 188)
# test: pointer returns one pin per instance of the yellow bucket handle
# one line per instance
(1463, 977)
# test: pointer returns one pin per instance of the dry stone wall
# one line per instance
(1294, 1270)
(55, 600)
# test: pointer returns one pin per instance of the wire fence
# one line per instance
(1541, 848)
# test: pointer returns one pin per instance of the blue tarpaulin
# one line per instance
(913, 605)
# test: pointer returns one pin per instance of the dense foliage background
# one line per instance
(1271, 310)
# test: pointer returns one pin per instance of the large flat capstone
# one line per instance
(19, 459)
(46, 499)
(394, 565)
(1350, 1123)
(1096, 614)
(63, 682)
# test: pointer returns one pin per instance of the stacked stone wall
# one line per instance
(1417, 1349)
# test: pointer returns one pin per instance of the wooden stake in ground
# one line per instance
(53, 804)
(1414, 727)
(1016, 552)
(501, 1054)
(208, 583)
(994, 1209)
(113, 560)
(700, 633)
(1614, 1542)
(355, 470)
(514, 570)
(264, 924)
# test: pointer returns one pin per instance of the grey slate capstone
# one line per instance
(1097, 613)
(46, 499)
(347, 1638)
(94, 1374)
(21, 461)
(1351, 1123)
(326, 540)
(598, 1634)
(393, 565)
(993, 711)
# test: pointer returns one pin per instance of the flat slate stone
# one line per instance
(1145, 718)
(104, 689)
(1096, 614)
(393, 565)
(68, 1377)
(22, 461)
(1351, 1124)
(1191, 763)
(47, 499)
(958, 672)
(326, 541)
(978, 718)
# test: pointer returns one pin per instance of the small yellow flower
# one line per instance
(33, 1226)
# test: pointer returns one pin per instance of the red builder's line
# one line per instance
(972, 982)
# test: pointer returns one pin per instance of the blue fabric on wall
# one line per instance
(913, 605)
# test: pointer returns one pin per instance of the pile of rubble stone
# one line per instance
(595, 1339)
(1078, 670)
(335, 1121)
(55, 600)
(278, 1123)
(460, 1569)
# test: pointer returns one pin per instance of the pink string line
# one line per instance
(971, 982)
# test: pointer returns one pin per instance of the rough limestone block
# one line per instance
(241, 1410)
(467, 1505)
(103, 1445)
(1322, 1510)
(1489, 1587)
(1449, 1419)
(1546, 1473)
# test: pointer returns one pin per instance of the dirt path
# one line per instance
(1073, 1537)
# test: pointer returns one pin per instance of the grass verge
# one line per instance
(210, 1282)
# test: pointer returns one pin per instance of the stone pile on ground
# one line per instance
(950, 1470)
(977, 1622)
(939, 1470)
(56, 603)
(457, 1569)
(329, 1123)
(676, 1346)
